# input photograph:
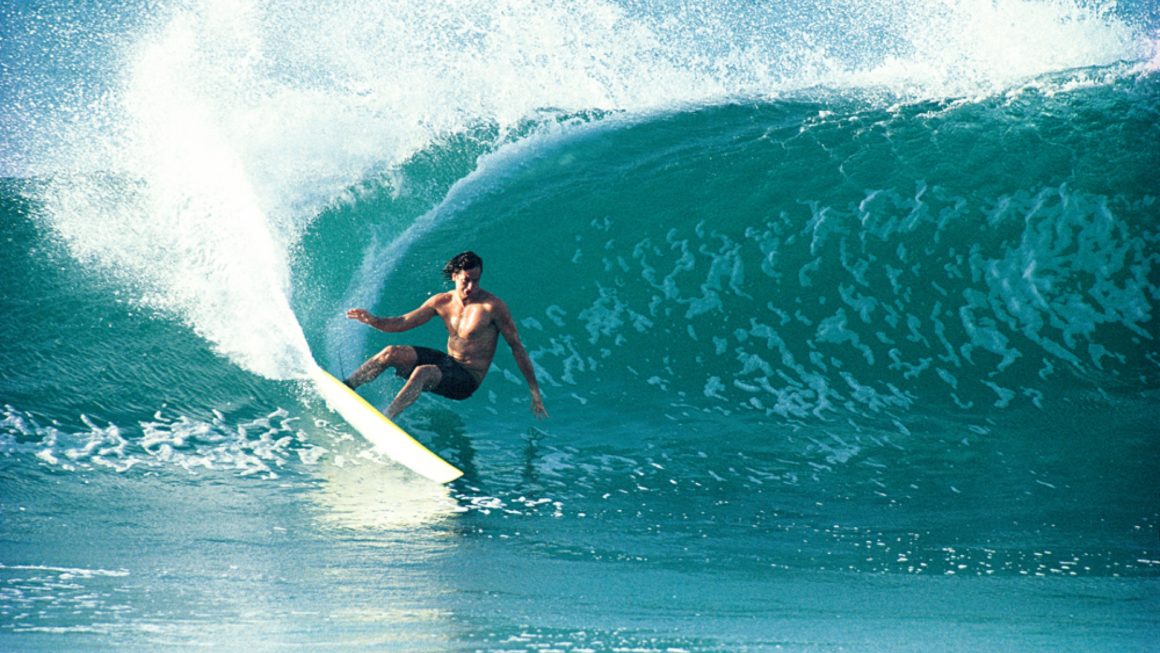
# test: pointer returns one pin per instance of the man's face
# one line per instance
(467, 283)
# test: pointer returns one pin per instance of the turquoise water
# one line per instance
(844, 318)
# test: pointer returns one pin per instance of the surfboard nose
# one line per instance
(386, 436)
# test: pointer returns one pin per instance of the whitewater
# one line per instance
(844, 314)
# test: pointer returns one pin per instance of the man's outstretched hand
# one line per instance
(360, 314)
(538, 406)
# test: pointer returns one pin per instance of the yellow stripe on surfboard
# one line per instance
(387, 437)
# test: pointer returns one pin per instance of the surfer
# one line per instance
(475, 319)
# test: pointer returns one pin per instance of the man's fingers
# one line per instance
(538, 410)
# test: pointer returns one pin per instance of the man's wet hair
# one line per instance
(462, 261)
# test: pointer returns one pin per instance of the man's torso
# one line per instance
(472, 334)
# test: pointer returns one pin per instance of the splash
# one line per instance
(973, 48)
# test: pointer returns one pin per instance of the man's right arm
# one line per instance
(415, 318)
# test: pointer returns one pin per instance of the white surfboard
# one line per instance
(384, 434)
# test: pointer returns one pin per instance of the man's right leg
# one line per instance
(401, 358)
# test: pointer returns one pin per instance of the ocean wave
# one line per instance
(794, 259)
(227, 130)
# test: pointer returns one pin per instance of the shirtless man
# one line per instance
(475, 319)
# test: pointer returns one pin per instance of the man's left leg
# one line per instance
(424, 377)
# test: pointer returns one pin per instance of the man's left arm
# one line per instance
(507, 327)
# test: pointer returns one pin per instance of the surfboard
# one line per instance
(386, 436)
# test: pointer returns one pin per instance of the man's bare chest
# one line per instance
(471, 323)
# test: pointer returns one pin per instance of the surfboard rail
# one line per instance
(387, 437)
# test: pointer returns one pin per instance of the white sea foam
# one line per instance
(259, 447)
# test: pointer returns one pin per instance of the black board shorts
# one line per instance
(457, 383)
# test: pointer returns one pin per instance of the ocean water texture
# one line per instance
(845, 317)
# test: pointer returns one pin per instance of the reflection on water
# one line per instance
(368, 492)
(386, 534)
